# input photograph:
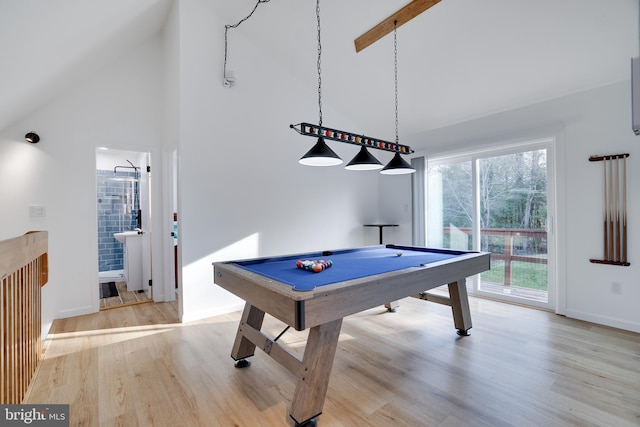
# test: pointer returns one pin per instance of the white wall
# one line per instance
(117, 107)
(242, 191)
(395, 208)
(593, 122)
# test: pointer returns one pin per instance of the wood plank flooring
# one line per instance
(137, 366)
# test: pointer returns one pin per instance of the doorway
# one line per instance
(499, 201)
(123, 227)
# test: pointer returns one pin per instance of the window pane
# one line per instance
(449, 206)
(513, 217)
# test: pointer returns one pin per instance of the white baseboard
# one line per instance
(604, 320)
(211, 313)
(79, 311)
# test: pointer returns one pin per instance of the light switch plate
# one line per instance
(37, 211)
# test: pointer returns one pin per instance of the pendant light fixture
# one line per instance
(397, 165)
(321, 155)
(363, 161)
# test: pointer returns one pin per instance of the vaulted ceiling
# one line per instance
(459, 60)
(45, 46)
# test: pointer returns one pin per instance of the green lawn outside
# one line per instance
(523, 274)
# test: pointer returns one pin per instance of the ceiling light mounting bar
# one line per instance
(402, 16)
(350, 138)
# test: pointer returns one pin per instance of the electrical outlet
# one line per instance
(229, 79)
(37, 211)
(616, 288)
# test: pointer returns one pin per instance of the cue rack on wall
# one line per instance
(615, 209)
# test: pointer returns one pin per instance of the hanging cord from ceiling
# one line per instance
(228, 80)
(319, 65)
(395, 69)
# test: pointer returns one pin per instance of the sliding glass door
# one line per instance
(450, 205)
(499, 202)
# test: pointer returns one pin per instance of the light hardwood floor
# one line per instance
(137, 366)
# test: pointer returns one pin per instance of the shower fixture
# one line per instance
(115, 169)
(135, 191)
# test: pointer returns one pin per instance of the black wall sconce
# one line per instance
(32, 137)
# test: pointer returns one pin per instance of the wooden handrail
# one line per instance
(17, 252)
(23, 272)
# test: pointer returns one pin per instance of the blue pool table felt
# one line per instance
(347, 265)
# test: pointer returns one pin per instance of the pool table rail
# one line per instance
(307, 309)
(272, 297)
(346, 298)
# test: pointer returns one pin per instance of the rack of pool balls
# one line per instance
(314, 265)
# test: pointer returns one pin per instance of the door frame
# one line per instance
(552, 141)
(161, 219)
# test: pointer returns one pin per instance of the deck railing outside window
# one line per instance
(509, 246)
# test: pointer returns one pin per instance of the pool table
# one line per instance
(358, 279)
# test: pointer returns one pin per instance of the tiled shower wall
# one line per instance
(117, 211)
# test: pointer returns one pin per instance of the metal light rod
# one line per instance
(350, 138)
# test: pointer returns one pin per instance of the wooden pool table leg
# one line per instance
(242, 347)
(460, 306)
(317, 362)
(392, 306)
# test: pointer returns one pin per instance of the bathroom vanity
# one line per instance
(132, 241)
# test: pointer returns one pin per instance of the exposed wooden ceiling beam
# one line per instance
(404, 15)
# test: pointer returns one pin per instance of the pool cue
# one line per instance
(617, 208)
(606, 225)
(610, 207)
(624, 209)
